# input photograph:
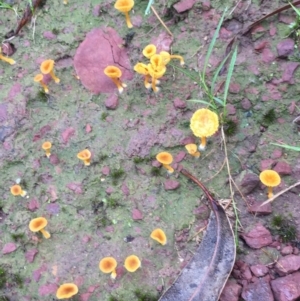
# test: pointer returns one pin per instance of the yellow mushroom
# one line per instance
(132, 263)
(125, 6)
(192, 150)
(17, 190)
(46, 146)
(167, 57)
(108, 265)
(47, 68)
(38, 224)
(114, 73)
(66, 291)
(159, 235)
(143, 69)
(39, 79)
(85, 156)
(271, 179)
(204, 123)
(149, 51)
(6, 59)
(165, 159)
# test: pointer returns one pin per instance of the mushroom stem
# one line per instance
(118, 84)
(203, 143)
(56, 79)
(196, 154)
(45, 233)
(87, 162)
(48, 153)
(179, 57)
(146, 81)
(270, 192)
(23, 193)
(169, 168)
(113, 275)
(128, 22)
(7, 59)
(154, 88)
(44, 86)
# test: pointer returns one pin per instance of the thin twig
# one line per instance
(279, 193)
(161, 21)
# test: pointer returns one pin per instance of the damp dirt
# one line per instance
(110, 207)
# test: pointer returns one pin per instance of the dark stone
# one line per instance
(285, 48)
(259, 290)
(231, 291)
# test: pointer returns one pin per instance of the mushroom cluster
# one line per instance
(157, 66)
(46, 68)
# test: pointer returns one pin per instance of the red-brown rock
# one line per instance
(287, 250)
(287, 264)
(260, 210)
(286, 288)
(285, 48)
(111, 102)
(231, 291)
(258, 291)
(258, 237)
(283, 168)
(184, 5)
(171, 184)
(136, 214)
(101, 48)
(259, 270)
(9, 248)
(30, 254)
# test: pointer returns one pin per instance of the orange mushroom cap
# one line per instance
(66, 291)
(46, 145)
(84, 155)
(156, 72)
(204, 123)
(270, 178)
(157, 61)
(164, 158)
(149, 50)
(112, 72)
(141, 68)
(124, 5)
(47, 66)
(37, 224)
(166, 57)
(159, 235)
(132, 263)
(191, 148)
(38, 78)
(17, 190)
(107, 264)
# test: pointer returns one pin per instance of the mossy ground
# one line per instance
(91, 220)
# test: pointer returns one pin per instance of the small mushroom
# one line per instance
(271, 179)
(17, 190)
(46, 146)
(114, 73)
(6, 59)
(165, 159)
(159, 235)
(132, 263)
(192, 150)
(66, 291)
(39, 79)
(85, 156)
(47, 68)
(167, 57)
(125, 6)
(38, 224)
(149, 51)
(143, 69)
(204, 123)
(156, 73)
(108, 265)
(65, 2)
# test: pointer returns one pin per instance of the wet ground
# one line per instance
(110, 207)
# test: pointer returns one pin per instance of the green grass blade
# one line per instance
(147, 11)
(217, 73)
(204, 102)
(220, 101)
(184, 71)
(212, 43)
(295, 9)
(290, 147)
(229, 74)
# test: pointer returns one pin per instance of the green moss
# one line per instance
(112, 298)
(104, 115)
(4, 298)
(144, 296)
(2, 277)
(286, 229)
(185, 124)
(269, 117)
(16, 278)
(155, 171)
(116, 174)
(230, 127)
(112, 202)
(55, 31)
(138, 160)
(17, 236)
